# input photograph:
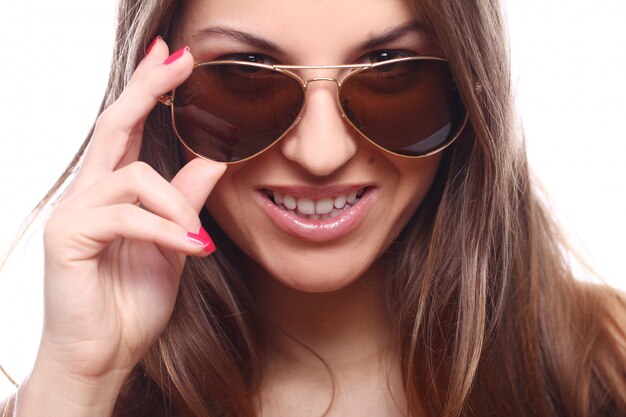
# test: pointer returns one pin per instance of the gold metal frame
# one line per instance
(168, 99)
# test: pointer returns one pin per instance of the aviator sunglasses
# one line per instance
(231, 111)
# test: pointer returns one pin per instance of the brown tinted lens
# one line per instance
(229, 112)
(408, 107)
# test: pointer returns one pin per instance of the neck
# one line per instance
(342, 327)
(327, 352)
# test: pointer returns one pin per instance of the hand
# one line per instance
(112, 268)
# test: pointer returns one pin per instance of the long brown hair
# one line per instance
(489, 318)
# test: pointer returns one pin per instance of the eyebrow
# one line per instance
(238, 35)
(260, 43)
(393, 34)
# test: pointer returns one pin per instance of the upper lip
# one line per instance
(314, 193)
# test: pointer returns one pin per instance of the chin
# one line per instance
(322, 275)
(315, 284)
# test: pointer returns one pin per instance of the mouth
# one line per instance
(323, 208)
(318, 215)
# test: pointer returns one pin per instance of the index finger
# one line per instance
(117, 137)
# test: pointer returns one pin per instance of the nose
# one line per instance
(321, 142)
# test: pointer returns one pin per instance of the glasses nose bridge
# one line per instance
(315, 79)
(305, 85)
(307, 81)
(310, 73)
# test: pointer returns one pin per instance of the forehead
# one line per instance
(306, 31)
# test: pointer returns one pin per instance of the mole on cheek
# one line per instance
(371, 160)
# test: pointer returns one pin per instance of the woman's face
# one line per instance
(322, 161)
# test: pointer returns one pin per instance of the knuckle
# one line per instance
(111, 120)
(141, 170)
(138, 173)
(143, 167)
(105, 117)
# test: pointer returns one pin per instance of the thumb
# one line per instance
(196, 180)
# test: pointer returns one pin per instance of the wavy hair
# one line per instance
(488, 316)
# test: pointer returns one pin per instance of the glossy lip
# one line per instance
(318, 230)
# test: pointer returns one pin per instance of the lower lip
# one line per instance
(319, 230)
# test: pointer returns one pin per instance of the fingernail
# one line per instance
(176, 55)
(203, 239)
(154, 41)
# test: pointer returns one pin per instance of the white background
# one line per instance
(569, 63)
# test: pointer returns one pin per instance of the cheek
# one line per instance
(414, 181)
(231, 206)
(423, 181)
(217, 202)
(222, 203)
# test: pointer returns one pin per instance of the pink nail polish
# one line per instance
(154, 41)
(203, 239)
(176, 55)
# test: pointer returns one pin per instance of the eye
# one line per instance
(386, 55)
(246, 57)
(381, 56)
(249, 57)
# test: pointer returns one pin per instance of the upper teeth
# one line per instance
(327, 207)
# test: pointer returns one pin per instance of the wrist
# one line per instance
(49, 393)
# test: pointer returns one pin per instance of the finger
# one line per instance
(133, 184)
(119, 128)
(196, 180)
(94, 229)
(156, 53)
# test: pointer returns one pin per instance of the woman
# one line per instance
(433, 285)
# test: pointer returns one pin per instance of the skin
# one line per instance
(112, 268)
(325, 294)
(321, 150)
